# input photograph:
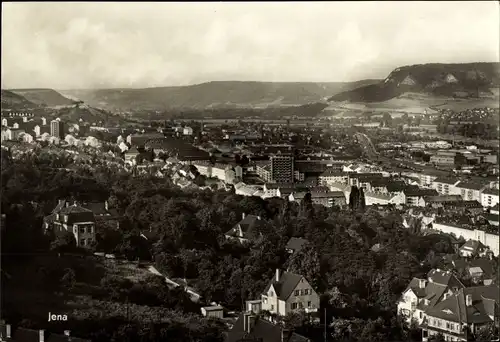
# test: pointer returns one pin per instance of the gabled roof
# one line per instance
(446, 180)
(484, 302)
(473, 246)
(470, 185)
(296, 244)
(284, 287)
(263, 331)
(245, 225)
(491, 191)
(444, 278)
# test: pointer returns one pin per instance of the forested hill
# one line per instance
(214, 95)
(454, 80)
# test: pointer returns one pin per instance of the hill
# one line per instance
(213, 95)
(86, 113)
(13, 101)
(469, 80)
(44, 97)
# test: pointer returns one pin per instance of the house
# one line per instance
(380, 198)
(75, 219)
(470, 191)
(473, 248)
(422, 294)
(325, 198)
(413, 193)
(437, 201)
(295, 245)
(252, 328)
(131, 155)
(288, 292)
(489, 197)
(13, 134)
(445, 186)
(462, 313)
(473, 207)
(332, 175)
(213, 311)
(242, 229)
(187, 131)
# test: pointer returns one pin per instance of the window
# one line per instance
(301, 305)
(82, 230)
(297, 292)
(82, 242)
(74, 230)
(447, 325)
(272, 307)
(420, 314)
(264, 300)
(306, 292)
(271, 294)
(89, 230)
(308, 304)
(294, 306)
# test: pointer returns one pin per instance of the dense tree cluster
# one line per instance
(360, 285)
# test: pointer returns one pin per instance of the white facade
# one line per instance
(187, 131)
(27, 138)
(489, 200)
(490, 240)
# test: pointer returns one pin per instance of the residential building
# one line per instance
(333, 176)
(295, 245)
(413, 193)
(288, 292)
(422, 294)
(327, 198)
(489, 239)
(489, 197)
(242, 230)
(446, 186)
(252, 328)
(131, 156)
(282, 168)
(213, 311)
(13, 134)
(74, 219)
(437, 201)
(380, 198)
(27, 138)
(470, 191)
(473, 248)
(57, 129)
(263, 170)
(462, 313)
(444, 158)
(187, 131)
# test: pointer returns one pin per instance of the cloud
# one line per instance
(87, 45)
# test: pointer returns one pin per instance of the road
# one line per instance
(195, 297)
(367, 144)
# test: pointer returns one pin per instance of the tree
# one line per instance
(69, 278)
(65, 242)
(362, 202)
(488, 332)
(354, 198)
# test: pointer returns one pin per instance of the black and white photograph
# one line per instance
(310, 171)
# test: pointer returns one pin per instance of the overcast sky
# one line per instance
(102, 45)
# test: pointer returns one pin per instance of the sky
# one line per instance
(114, 45)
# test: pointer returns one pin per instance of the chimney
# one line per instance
(243, 216)
(42, 335)
(277, 278)
(74, 204)
(7, 331)
(67, 204)
(421, 283)
(468, 300)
